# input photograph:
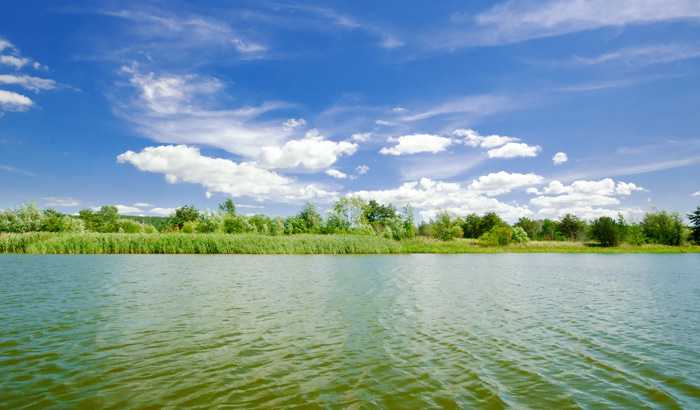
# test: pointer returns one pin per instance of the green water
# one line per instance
(423, 331)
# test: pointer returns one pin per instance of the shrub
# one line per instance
(236, 224)
(520, 235)
(128, 226)
(445, 228)
(207, 224)
(635, 235)
(497, 236)
(148, 228)
(606, 231)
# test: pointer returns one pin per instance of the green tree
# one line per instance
(471, 226)
(695, 225)
(663, 228)
(228, 207)
(490, 221)
(530, 226)
(500, 235)
(606, 231)
(310, 218)
(376, 213)
(520, 235)
(571, 227)
(549, 230)
(445, 228)
(187, 213)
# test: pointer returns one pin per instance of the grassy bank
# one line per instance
(174, 243)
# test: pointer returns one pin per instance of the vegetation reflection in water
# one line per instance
(420, 331)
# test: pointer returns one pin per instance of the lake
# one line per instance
(410, 331)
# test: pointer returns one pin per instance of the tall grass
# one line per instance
(173, 243)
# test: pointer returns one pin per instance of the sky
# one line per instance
(522, 107)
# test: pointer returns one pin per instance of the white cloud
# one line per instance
(520, 20)
(398, 109)
(336, 174)
(162, 211)
(560, 158)
(502, 182)
(361, 136)
(142, 205)
(583, 198)
(384, 123)
(514, 150)
(313, 152)
(12, 101)
(128, 210)
(180, 163)
(14, 61)
(177, 109)
(644, 55)
(15, 170)
(28, 82)
(4, 44)
(60, 202)
(294, 123)
(696, 194)
(472, 138)
(362, 169)
(417, 143)
(161, 32)
(474, 105)
(431, 197)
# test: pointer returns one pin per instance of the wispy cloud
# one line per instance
(15, 170)
(643, 55)
(521, 20)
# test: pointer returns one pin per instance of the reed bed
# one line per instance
(179, 243)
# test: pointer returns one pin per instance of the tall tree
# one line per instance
(695, 220)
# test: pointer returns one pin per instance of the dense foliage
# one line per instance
(354, 216)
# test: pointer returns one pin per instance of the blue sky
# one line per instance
(526, 108)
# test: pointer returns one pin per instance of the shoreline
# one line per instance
(306, 244)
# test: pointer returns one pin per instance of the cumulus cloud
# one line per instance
(696, 193)
(431, 197)
(180, 163)
(162, 211)
(313, 152)
(362, 169)
(28, 82)
(502, 182)
(417, 143)
(514, 150)
(336, 174)
(560, 158)
(474, 139)
(294, 123)
(361, 136)
(584, 198)
(12, 101)
(14, 61)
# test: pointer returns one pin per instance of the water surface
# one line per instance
(410, 331)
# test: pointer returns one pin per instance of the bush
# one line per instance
(189, 227)
(128, 226)
(606, 231)
(207, 224)
(497, 236)
(520, 235)
(635, 235)
(445, 229)
(236, 224)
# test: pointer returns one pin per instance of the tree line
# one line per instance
(356, 216)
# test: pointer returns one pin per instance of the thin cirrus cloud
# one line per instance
(642, 55)
(521, 20)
